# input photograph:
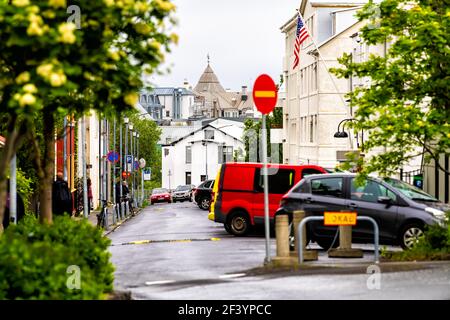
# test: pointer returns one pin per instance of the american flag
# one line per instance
(302, 34)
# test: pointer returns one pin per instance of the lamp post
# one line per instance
(134, 169)
(131, 127)
(126, 121)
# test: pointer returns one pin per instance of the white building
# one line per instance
(315, 102)
(168, 103)
(314, 106)
(196, 156)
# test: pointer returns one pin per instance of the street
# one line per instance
(172, 251)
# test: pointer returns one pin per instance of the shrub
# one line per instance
(433, 245)
(35, 258)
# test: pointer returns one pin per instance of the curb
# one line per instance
(117, 225)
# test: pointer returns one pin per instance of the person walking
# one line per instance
(90, 195)
(62, 198)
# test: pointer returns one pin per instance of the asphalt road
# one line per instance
(172, 251)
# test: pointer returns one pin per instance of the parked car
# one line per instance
(182, 193)
(203, 194)
(401, 211)
(160, 195)
(238, 194)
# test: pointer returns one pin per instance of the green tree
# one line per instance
(51, 69)
(406, 107)
(149, 133)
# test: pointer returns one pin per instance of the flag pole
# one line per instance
(325, 64)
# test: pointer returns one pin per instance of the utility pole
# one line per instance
(65, 149)
(13, 190)
(84, 169)
(121, 170)
(132, 159)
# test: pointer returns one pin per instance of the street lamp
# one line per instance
(342, 134)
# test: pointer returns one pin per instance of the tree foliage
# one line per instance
(406, 107)
(50, 68)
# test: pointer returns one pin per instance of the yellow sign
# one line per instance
(265, 94)
(339, 218)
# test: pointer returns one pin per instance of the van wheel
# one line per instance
(410, 235)
(227, 228)
(239, 223)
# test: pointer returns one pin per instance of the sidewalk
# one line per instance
(92, 218)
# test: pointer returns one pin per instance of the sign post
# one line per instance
(265, 98)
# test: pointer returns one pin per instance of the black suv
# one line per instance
(203, 194)
(400, 210)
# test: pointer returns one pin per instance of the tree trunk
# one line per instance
(48, 164)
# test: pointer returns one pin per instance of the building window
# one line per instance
(311, 130)
(188, 154)
(225, 154)
(167, 113)
(209, 134)
(188, 178)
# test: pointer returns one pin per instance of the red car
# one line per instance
(238, 194)
(160, 195)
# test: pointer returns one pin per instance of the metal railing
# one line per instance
(364, 218)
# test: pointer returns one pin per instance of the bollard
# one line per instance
(345, 245)
(308, 255)
(282, 235)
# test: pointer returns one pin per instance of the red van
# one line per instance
(238, 194)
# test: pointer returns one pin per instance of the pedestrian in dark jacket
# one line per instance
(62, 198)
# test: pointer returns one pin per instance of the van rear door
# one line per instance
(280, 182)
(237, 187)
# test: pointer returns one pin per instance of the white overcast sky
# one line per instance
(242, 37)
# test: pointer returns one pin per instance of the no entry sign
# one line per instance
(265, 94)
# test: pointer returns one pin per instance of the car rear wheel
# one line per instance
(205, 203)
(152, 203)
(410, 235)
(239, 224)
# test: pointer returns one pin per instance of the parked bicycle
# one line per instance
(102, 217)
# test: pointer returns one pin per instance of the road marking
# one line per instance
(152, 283)
(137, 242)
(230, 276)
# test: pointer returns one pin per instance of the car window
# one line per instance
(279, 183)
(331, 187)
(158, 191)
(370, 191)
(208, 184)
(309, 171)
(410, 191)
(182, 188)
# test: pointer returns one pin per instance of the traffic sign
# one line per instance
(147, 174)
(142, 163)
(265, 94)
(113, 157)
(340, 218)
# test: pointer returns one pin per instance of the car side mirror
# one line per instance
(385, 200)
